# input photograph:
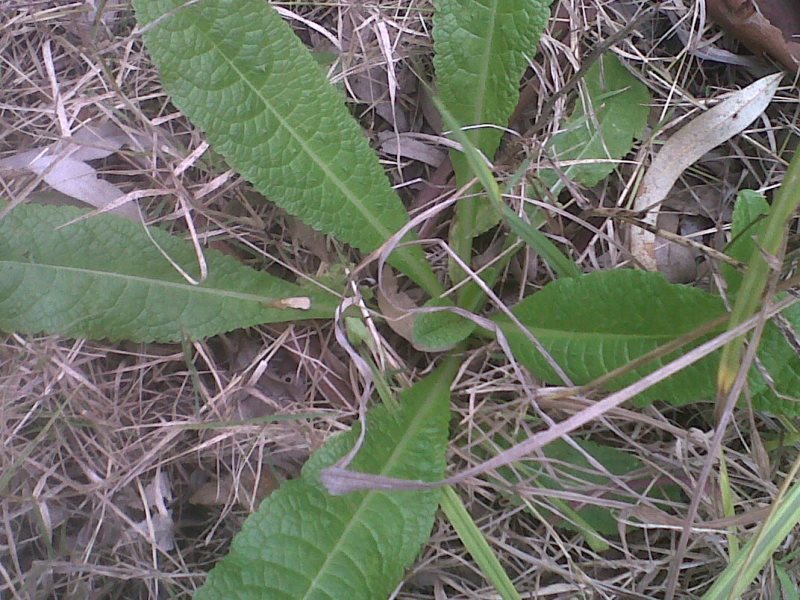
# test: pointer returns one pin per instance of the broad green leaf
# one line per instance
(604, 320)
(600, 321)
(607, 119)
(304, 543)
(239, 72)
(482, 49)
(105, 277)
(777, 355)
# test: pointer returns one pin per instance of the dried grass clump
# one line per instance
(125, 470)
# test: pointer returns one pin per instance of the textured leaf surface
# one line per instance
(105, 278)
(439, 331)
(482, 48)
(303, 543)
(239, 72)
(601, 321)
(603, 126)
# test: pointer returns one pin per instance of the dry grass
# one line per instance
(105, 445)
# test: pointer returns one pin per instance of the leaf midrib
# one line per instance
(478, 116)
(419, 418)
(137, 279)
(348, 193)
(603, 336)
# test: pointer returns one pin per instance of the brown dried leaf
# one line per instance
(765, 27)
(395, 306)
(218, 491)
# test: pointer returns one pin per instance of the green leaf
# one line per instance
(601, 321)
(748, 211)
(239, 72)
(482, 49)
(602, 127)
(304, 543)
(439, 331)
(105, 277)
(777, 355)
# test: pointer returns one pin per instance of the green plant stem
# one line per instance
(744, 568)
(728, 505)
(476, 544)
(463, 234)
(751, 291)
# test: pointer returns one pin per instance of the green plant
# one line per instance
(237, 70)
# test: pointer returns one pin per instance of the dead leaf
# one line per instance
(297, 302)
(219, 491)
(158, 528)
(685, 147)
(63, 165)
(395, 306)
(410, 147)
(675, 262)
(765, 27)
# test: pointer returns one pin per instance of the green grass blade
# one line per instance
(754, 555)
(472, 297)
(476, 544)
(107, 277)
(239, 72)
(556, 259)
(750, 295)
(777, 355)
(305, 543)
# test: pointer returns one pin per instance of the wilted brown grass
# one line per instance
(107, 449)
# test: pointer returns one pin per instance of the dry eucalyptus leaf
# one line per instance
(689, 144)
(63, 165)
(410, 147)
